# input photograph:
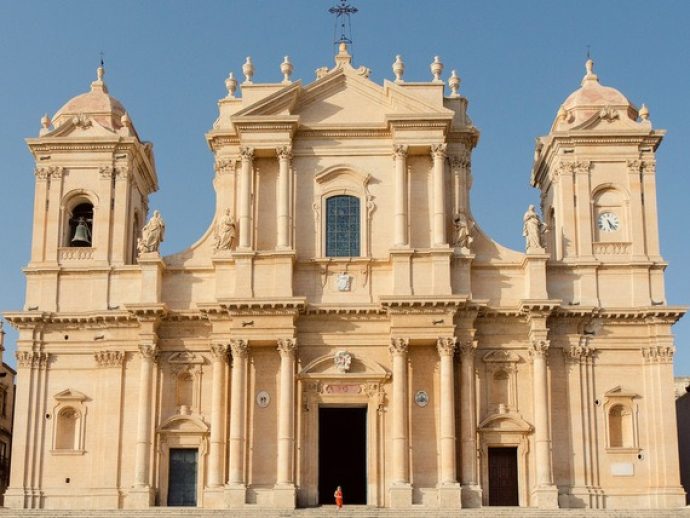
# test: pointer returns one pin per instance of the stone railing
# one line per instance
(70, 254)
(611, 248)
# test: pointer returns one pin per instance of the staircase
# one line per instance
(346, 512)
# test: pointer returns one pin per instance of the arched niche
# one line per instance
(69, 423)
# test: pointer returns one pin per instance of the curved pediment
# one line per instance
(325, 367)
(183, 424)
(510, 422)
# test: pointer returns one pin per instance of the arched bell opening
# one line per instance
(80, 225)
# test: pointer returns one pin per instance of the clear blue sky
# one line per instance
(166, 60)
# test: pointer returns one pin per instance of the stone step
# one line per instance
(347, 511)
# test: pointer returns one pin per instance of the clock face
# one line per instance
(608, 222)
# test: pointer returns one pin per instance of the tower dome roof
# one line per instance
(590, 99)
(96, 104)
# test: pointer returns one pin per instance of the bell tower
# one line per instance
(596, 173)
(93, 179)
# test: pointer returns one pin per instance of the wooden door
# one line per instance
(503, 476)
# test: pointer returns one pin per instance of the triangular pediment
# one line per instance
(343, 96)
(70, 395)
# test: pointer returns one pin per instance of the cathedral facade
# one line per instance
(344, 320)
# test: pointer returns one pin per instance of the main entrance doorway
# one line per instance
(343, 454)
(503, 476)
(182, 477)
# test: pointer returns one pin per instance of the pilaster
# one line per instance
(236, 487)
(400, 491)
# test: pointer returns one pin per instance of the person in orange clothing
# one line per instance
(338, 497)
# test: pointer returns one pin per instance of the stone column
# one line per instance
(215, 457)
(400, 491)
(247, 155)
(401, 221)
(148, 355)
(471, 492)
(282, 224)
(285, 483)
(449, 489)
(238, 397)
(545, 492)
(438, 153)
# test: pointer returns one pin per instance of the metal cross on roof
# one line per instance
(341, 12)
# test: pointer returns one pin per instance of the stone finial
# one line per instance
(248, 70)
(286, 69)
(644, 112)
(589, 75)
(343, 57)
(231, 84)
(99, 84)
(454, 84)
(437, 69)
(398, 69)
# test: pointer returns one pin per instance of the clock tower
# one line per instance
(596, 173)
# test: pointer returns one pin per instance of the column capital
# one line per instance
(109, 358)
(287, 346)
(580, 352)
(246, 153)
(148, 352)
(225, 165)
(445, 345)
(467, 348)
(239, 348)
(400, 151)
(219, 351)
(284, 152)
(399, 346)
(438, 151)
(658, 353)
(538, 348)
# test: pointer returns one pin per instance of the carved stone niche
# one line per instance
(501, 381)
(185, 370)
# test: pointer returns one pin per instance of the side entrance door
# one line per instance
(182, 477)
(503, 476)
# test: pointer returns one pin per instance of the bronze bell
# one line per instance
(82, 234)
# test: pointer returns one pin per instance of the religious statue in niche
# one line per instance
(344, 282)
(226, 232)
(152, 234)
(533, 229)
(342, 360)
(464, 228)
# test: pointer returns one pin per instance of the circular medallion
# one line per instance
(421, 398)
(263, 399)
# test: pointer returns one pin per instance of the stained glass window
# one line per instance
(342, 226)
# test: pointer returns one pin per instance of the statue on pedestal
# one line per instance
(463, 231)
(226, 232)
(151, 235)
(533, 229)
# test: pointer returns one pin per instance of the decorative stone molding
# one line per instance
(69, 253)
(649, 166)
(284, 152)
(446, 345)
(399, 345)
(225, 166)
(581, 352)
(32, 359)
(107, 359)
(658, 353)
(571, 167)
(460, 161)
(611, 248)
(106, 171)
(609, 114)
(239, 348)
(634, 166)
(538, 348)
(287, 346)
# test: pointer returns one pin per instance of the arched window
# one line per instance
(80, 225)
(342, 226)
(67, 429)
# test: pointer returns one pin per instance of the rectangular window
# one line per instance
(342, 226)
